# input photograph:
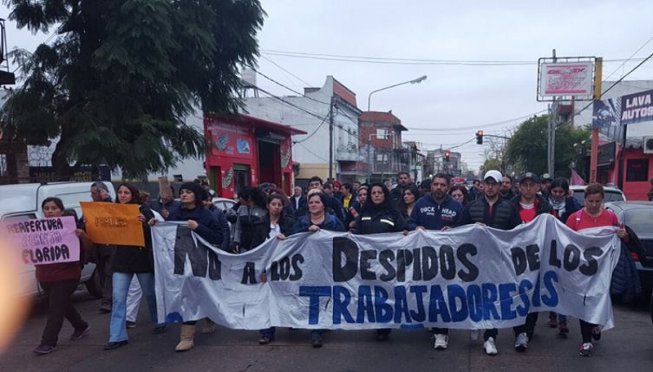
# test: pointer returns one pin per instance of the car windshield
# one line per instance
(639, 219)
(610, 196)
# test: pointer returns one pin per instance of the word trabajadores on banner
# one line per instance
(471, 277)
(45, 241)
(113, 223)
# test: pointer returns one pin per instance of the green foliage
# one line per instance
(122, 74)
(527, 148)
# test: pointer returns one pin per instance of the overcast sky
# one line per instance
(453, 96)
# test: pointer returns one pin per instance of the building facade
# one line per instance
(326, 113)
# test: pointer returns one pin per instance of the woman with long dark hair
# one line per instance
(315, 220)
(377, 216)
(277, 224)
(127, 262)
(59, 281)
(410, 196)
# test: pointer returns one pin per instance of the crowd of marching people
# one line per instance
(263, 213)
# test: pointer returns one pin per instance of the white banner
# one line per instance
(471, 277)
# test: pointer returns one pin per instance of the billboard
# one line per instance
(637, 108)
(565, 79)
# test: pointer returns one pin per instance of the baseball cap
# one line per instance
(494, 174)
(546, 177)
(529, 176)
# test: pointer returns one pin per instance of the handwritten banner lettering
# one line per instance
(113, 223)
(45, 241)
(471, 277)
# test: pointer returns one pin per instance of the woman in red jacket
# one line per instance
(59, 281)
(593, 215)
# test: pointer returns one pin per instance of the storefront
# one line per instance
(248, 151)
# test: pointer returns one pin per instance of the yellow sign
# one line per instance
(113, 223)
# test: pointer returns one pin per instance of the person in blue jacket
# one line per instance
(202, 222)
(315, 220)
(437, 211)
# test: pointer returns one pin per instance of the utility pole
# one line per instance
(331, 139)
(553, 114)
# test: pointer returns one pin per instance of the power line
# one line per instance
(290, 89)
(487, 125)
(407, 61)
(315, 131)
(289, 103)
(286, 71)
(629, 58)
(619, 81)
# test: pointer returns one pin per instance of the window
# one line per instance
(637, 170)
(382, 158)
(381, 133)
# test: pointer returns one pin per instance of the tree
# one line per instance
(120, 77)
(527, 148)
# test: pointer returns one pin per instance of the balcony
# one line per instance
(347, 153)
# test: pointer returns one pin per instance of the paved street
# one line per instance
(628, 347)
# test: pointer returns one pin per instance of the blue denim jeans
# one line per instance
(121, 281)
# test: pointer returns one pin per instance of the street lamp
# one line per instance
(414, 81)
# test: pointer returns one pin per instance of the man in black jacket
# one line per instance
(496, 212)
(104, 253)
(403, 180)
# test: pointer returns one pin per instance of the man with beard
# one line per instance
(437, 211)
(506, 190)
(397, 194)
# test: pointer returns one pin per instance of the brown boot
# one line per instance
(186, 335)
(209, 326)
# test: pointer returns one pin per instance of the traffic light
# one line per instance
(446, 156)
(479, 137)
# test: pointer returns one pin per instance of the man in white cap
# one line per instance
(496, 212)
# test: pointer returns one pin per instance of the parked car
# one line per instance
(638, 215)
(612, 194)
(23, 202)
(223, 203)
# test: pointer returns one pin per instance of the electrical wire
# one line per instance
(406, 61)
(286, 71)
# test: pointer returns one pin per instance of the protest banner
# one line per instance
(471, 277)
(113, 223)
(45, 241)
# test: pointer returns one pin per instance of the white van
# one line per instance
(23, 202)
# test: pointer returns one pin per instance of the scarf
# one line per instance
(558, 205)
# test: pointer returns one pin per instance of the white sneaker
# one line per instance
(490, 347)
(521, 342)
(474, 334)
(441, 341)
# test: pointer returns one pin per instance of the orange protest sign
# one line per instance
(113, 223)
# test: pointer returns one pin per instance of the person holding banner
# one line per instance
(201, 221)
(593, 215)
(411, 194)
(249, 230)
(317, 219)
(104, 252)
(59, 281)
(563, 206)
(529, 205)
(379, 215)
(437, 211)
(278, 225)
(496, 212)
(127, 262)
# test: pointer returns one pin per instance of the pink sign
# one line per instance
(46, 241)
